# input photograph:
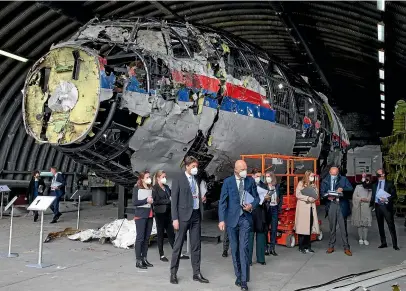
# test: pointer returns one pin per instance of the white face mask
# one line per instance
(243, 174)
(163, 180)
(257, 179)
(269, 180)
(311, 179)
(148, 181)
(194, 171)
(363, 179)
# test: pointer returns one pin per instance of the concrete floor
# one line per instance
(92, 266)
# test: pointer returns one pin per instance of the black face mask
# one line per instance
(367, 185)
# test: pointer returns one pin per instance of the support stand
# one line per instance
(1, 208)
(41, 203)
(78, 194)
(10, 254)
(77, 223)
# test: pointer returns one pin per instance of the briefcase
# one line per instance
(309, 191)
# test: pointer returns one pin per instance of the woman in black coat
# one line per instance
(143, 216)
(35, 188)
(162, 210)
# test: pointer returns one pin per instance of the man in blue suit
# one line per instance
(58, 190)
(236, 215)
(337, 208)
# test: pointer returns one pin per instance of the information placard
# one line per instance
(4, 188)
(10, 203)
(41, 203)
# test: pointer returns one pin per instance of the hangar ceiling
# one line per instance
(334, 44)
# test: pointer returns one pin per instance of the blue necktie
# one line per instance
(380, 185)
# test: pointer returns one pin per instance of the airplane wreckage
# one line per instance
(122, 96)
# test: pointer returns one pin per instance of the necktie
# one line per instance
(380, 185)
(192, 185)
(333, 184)
(241, 192)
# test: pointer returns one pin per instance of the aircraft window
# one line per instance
(236, 65)
(178, 49)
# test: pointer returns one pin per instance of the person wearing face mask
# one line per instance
(361, 209)
(161, 194)
(259, 227)
(35, 188)
(384, 209)
(306, 221)
(337, 208)
(273, 205)
(186, 210)
(235, 213)
(143, 217)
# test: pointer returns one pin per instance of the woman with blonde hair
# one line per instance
(306, 221)
(161, 193)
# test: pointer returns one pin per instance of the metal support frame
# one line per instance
(166, 10)
(10, 254)
(291, 26)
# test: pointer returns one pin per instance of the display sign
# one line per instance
(4, 188)
(41, 203)
(10, 203)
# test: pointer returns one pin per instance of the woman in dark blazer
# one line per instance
(35, 188)
(143, 216)
(259, 227)
(273, 206)
(162, 210)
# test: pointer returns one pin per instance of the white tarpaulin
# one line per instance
(125, 235)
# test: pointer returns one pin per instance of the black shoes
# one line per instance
(35, 217)
(244, 286)
(238, 282)
(146, 263)
(302, 251)
(266, 252)
(263, 264)
(273, 253)
(184, 257)
(225, 254)
(382, 246)
(56, 217)
(396, 248)
(309, 251)
(140, 265)
(164, 259)
(200, 278)
(173, 279)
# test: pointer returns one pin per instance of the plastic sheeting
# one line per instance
(122, 231)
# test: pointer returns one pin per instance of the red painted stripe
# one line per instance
(212, 85)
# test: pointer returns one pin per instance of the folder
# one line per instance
(144, 194)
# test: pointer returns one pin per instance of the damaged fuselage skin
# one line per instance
(123, 96)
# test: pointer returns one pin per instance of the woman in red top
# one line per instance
(143, 216)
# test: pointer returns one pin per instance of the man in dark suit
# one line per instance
(186, 210)
(384, 209)
(337, 208)
(58, 190)
(235, 214)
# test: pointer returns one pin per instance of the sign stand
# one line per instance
(3, 188)
(10, 254)
(41, 203)
(78, 194)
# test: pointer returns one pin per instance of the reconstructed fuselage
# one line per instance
(128, 95)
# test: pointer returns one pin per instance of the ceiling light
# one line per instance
(381, 56)
(381, 31)
(311, 109)
(382, 87)
(383, 112)
(383, 105)
(383, 117)
(381, 74)
(280, 86)
(382, 97)
(21, 59)
(380, 4)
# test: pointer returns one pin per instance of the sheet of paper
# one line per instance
(144, 194)
(248, 198)
(261, 192)
(382, 194)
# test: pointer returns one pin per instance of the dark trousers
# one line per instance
(273, 223)
(143, 227)
(226, 242)
(239, 239)
(304, 239)
(382, 213)
(335, 216)
(55, 205)
(260, 238)
(194, 227)
(164, 223)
